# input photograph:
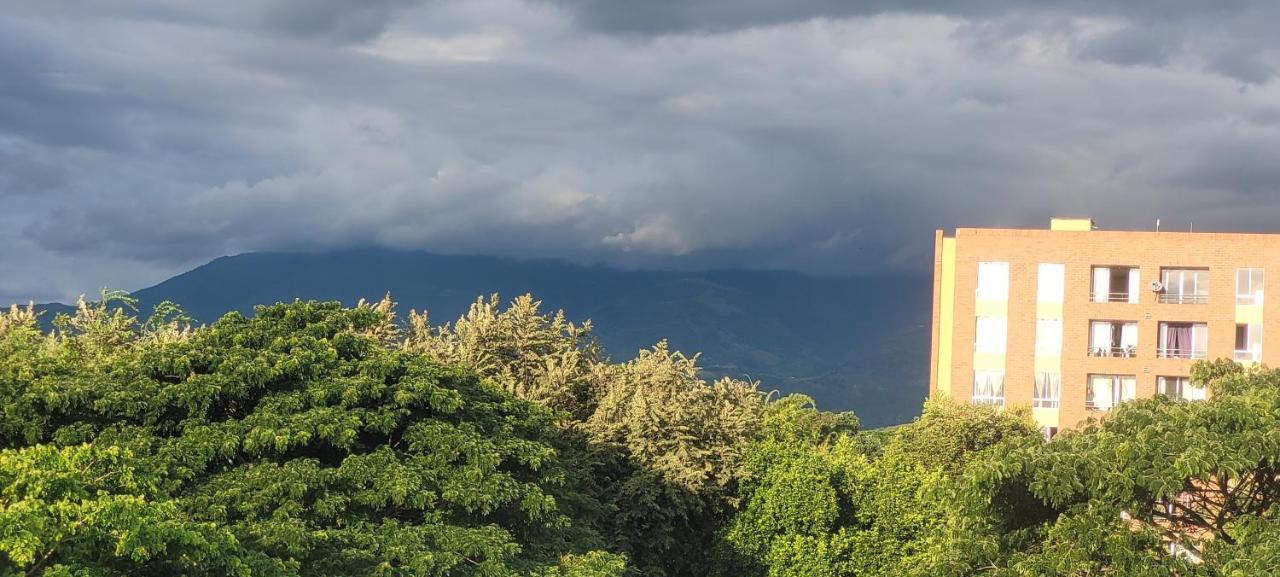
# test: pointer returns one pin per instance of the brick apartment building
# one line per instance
(1072, 320)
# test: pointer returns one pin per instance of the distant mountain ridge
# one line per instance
(852, 343)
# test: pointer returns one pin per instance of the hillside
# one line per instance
(853, 343)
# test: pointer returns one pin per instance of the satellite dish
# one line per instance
(1156, 286)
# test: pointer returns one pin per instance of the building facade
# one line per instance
(1072, 320)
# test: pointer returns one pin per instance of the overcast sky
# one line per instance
(140, 138)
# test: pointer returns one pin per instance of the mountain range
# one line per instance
(857, 343)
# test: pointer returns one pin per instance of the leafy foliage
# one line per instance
(314, 440)
(292, 443)
(660, 446)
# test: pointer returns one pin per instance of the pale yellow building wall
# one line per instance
(946, 316)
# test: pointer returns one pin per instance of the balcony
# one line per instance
(1127, 352)
(1107, 391)
(1183, 341)
(1113, 338)
(1183, 299)
(1184, 286)
(1114, 284)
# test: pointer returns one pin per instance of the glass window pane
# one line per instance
(1049, 337)
(1050, 282)
(990, 337)
(993, 281)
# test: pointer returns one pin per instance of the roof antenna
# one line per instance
(1157, 225)
(1193, 226)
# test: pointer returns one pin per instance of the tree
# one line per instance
(658, 447)
(291, 443)
(1158, 487)
(535, 356)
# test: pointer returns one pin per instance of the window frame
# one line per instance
(1256, 290)
(1117, 390)
(979, 342)
(1040, 401)
(988, 399)
(1199, 293)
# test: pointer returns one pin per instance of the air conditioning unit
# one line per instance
(1156, 286)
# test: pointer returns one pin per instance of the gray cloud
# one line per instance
(139, 138)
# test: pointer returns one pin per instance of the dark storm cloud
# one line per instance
(1228, 34)
(139, 137)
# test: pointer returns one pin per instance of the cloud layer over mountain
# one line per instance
(139, 137)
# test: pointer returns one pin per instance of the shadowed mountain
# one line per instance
(852, 343)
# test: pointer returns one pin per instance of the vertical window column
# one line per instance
(1046, 390)
(1249, 292)
(991, 333)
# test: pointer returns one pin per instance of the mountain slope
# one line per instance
(853, 343)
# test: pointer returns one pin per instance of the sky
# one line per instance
(140, 138)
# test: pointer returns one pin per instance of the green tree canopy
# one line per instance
(290, 443)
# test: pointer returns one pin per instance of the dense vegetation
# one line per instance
(311, 439)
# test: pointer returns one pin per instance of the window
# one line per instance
(1049, 433)
(988, 388)
(1248, 342)
(1050, 282)
(993, 281)
(990, 335)
(1183, 341)
(1115, 284)
(1049, 337)
(1179, 388)
(1248, 286)
(1113, 338)
(1106, 391)
(1184, 285)
(1047, 390)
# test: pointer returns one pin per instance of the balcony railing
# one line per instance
(1181, 299)
(1114, 297)
(1096, 406)
(1044, 403)
(987, 400)
(1109, 351)
(1168, 353)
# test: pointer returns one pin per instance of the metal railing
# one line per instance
(1112, 297)
(987, 400)
(1247, 355)
(1168, 353)
(1110, 351)
(1181, 299)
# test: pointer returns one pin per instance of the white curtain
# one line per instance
(1101, 284)
(1200, 339)
(1255, 341)
(1100, 336)
(1135, 285)
(1129, 335)
(1193, 392)
(1100, 391)
(1127, 389)
(988, 385)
